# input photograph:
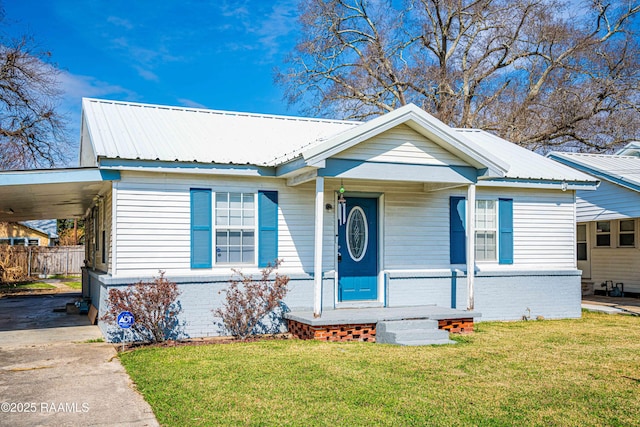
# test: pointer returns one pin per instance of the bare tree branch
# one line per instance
(542, 73)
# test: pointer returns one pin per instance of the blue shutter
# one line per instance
(201, 234)
(505, 216)
(267, 227)
(457, 236)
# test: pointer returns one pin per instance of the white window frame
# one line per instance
(229, 228)
(481, 256)
(621, 233)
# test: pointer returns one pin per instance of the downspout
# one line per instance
(471, 249)
(317, 256)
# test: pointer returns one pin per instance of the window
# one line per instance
(603, 233)
(486, 230)
(235, 228)
(33, 242)
(627, 233)
(493, 230)
(581, 238)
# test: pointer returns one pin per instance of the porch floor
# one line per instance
(356, 316)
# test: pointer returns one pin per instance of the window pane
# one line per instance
(248, 255)
(234, 254)
(582, 233)
(234, 238)
(603, 240)
(235, 200)
(627, 225)
(582, 251)
(235, 217)
(248, 238)
(603, 226)
(222, 200)
(627, 239)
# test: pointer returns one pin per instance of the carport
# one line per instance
(51, 193)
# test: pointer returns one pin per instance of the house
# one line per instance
(398, 211)
(608, 251)
(29, 233)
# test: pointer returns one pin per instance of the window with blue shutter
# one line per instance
(267, 227)
(457, 237)
(201, 233)
(505, 239)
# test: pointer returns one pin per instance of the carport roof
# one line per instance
(51, 193)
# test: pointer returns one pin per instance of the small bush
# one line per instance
(248, 301)
(153, 305)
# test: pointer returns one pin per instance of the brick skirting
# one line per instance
(457, 326)
(365, 332)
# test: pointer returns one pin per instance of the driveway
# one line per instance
(51, 374)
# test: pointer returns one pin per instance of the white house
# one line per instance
(398, 211)
(607, 220)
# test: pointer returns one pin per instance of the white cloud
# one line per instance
(190, 103)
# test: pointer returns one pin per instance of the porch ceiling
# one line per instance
(51, 193)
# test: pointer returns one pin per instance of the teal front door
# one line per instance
(358, 250)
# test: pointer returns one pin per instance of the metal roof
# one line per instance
(622, 170)
(129, 130)
(125, 130)
(523, 163)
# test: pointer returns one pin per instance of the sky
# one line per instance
(217, 54)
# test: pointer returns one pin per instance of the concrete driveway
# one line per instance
(52, 375)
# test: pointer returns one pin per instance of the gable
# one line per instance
(401, 144)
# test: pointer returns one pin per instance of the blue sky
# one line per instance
(217, 54)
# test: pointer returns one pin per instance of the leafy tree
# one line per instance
(541, 73)
(32, 131)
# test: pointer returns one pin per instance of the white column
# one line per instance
(471, 247)
(317, 256)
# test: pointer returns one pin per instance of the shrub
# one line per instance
(153, 305)
(248, 301)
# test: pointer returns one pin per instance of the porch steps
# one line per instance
(411, 332)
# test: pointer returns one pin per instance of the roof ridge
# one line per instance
(222, 112)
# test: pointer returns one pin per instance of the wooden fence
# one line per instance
(20, 262)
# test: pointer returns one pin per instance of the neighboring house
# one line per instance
(28, 233)
(372, 214)
(608, 248)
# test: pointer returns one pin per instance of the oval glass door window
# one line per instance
(357, 234)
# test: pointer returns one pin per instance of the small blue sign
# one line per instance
(125, 320)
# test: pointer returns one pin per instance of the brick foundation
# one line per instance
(365, 332)
(457, 326)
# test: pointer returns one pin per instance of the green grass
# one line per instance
(73, 285)
(583, 372)
(28, 285)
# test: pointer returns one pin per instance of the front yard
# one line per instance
(565, 373)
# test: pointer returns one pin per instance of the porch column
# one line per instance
(471, 246)
(317, 256)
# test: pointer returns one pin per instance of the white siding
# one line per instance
(401, 145)
(609, 201)
(153, 224)
(619, 265)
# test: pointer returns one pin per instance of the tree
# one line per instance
(540, 73)
(32, 131)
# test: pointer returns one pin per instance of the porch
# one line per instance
(362, 324)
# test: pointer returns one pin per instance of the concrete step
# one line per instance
(399, 325)
(425, 342)
(411, 332)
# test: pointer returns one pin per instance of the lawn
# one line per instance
(583, 372)
(26, 286)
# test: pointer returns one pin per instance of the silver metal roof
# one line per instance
(624, 170)
(136, 131)
(128, 130)
(524, 164)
